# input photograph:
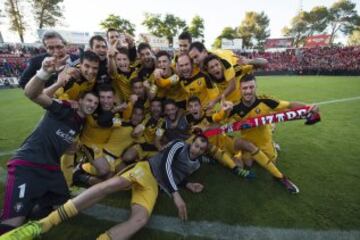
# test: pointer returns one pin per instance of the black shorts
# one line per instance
(29, 186)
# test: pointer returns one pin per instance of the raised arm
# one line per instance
(34, 88)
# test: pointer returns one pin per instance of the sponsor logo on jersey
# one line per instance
(67, 137)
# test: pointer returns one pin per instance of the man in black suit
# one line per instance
(55, 46)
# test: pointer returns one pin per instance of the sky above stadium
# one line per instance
(85, 15)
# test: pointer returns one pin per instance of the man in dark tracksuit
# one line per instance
(168, 169)
(55, 46)
(34, 175)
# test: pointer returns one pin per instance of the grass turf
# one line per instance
(323, 160)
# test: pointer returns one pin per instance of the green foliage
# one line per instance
(228, 33)
(121, 24)
(254, 29)
(167, 26)
(14, 11)
(196, 27)
(47, 12)
(343, 17)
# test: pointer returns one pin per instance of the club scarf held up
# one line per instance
(284, 116)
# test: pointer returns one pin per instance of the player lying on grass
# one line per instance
(35, 181)
(259, 142)
(168, 169)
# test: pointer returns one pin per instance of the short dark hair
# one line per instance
(97, 38)
(143, 46)
(52, 34)
(91, 92)
(111, 30)
(105, 88)
(248, 78)
(209, 58)
(169, 101)
(202, 137)
(185, 36)
(156, 99)
(194, 99)
(135, 80)
(139, 105)
(90, 56)
(163, 53)
(198, 45)
(123, 50)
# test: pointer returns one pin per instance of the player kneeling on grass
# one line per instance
(168, 169)
(35, 181)
(257, 143)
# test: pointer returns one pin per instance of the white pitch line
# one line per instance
(338, 100)
(215, 230)
(7, 153)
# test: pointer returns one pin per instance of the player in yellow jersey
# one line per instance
(196, 83)
(148, 135)
(223, 67)
(147, 62)
(184, 39)
(167, 81)
(221, 147)
(121, 72)
(263, 151)
(97, 133)
(71, 83)
(77, 80)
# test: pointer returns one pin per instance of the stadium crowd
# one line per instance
(302, 61)
(312, 61)
(123, 117)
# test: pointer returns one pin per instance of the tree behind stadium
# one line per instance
(341, 16)
(168, 27)
(47, 13)
(254, 30)
(14, 11)
(228, 33)
(196, 28)
(121, 24)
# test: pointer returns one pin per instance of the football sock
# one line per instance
(260, 157)
(222, 157)
(58, 216)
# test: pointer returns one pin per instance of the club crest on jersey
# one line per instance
(257, 110)
(18, 206)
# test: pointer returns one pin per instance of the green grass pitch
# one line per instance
(323, 160)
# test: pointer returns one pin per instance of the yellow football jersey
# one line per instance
(262, 135)
(200, 85)
(122, 83)
(73, 89)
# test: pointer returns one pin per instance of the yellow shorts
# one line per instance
(145, 150)
(268, 149)
(223, 142)
(144, 185)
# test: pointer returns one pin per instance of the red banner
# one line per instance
(289, 115)
(317, 41)
(279, 43)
